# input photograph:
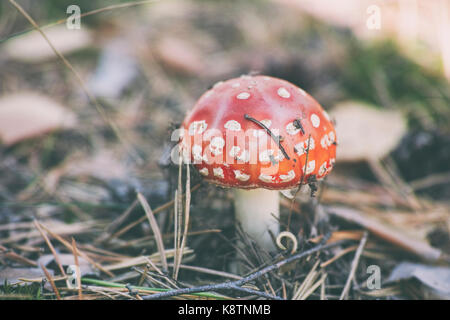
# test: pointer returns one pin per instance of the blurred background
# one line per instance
(87, 123)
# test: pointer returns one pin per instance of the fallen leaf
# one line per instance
(435, 279)
(365, 132)
(104, 165)
(393, 234)
(33, 48)
(180, 55)
(27, 114)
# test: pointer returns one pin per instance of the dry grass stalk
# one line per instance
(355, 263)
(81, 253)
(312, 275)
(141, 260)
(178, 215)
(77, 268)
(52, 249)
(155, 229)
(52, 283)
(314, 287)
(186, 222)
(156, 211)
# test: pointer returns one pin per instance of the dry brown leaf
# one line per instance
(180, 55)
(398, 236)
(27, 114)
(366, 133)
(104, 165)
(33, 48)
(435, 279)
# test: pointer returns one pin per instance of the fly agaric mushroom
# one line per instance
(258, 135)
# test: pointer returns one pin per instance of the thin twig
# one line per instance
(354, 266)
(233, 285)
(274, 137)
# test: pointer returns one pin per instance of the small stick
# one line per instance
(298, 125)
(354, 266)
(275, 138)
(236, 285)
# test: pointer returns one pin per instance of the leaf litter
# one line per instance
(164, 233)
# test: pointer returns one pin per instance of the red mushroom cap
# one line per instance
(254, 132)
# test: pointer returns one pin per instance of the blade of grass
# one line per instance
(355, 262)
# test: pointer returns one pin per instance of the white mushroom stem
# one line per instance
(258, 211)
